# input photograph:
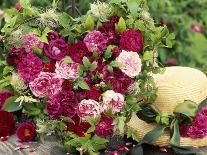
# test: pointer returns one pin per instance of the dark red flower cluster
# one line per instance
(26, 132)
(78, 51)
(49, 67)
(108, 29)
(15, 56)
(80, 128)
(132, 40)
(4, 95)
(92, 93)
(62, 104)
(7, 123)
(104, 127)
(119, 81)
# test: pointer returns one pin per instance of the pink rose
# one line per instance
(89, 108)
(95, 41)
(67, 70)
(131, 63)
(46, 84)
(112, 100)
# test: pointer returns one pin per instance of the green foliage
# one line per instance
(189, 46)
(11, 105)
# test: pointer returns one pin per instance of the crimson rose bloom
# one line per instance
(56, 49)
(4, 95)
(63, 103)
(30, 67)
(15, 56)
(53, 36)
(26, 132)
(131, 40)
(104, 127)
(49, 67)
(108, 30)
(7, 123)
(80, 128)
(119, 81)
(78, 51)
(92, 93)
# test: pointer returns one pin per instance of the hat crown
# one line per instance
(178, 84)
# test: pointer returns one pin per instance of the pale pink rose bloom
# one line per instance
(112, 100)
(89, 108)
(67, 70)
(131, 63)
(46, 84)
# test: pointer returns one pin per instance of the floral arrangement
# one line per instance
(79, 79)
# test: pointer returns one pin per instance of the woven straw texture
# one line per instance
(175, 86)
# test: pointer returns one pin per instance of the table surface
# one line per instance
(50, 147)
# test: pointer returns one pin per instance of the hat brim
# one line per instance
(141, 128)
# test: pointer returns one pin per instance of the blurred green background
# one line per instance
(187, 19)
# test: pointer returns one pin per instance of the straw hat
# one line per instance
(175, 86)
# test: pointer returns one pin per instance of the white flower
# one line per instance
(131, 63)
(89, 108)
(101, 10)
(112, 100)
(67, 70)
(17, 83)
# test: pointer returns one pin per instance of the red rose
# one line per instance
(49, 67)
(105, 127)
(78, 51)
(63, 103)
(53, 36)
(80, 128)
(119, 81)
(132, 40)
(26, 132)
(15, 56)
(4, 95)
(7, 123)
(56, 49)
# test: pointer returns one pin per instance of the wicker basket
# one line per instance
(175, 86)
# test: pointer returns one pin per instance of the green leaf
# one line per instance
(154, 134)
(91, 120)
(148, 55)
(80, 70)
(121, 124)
(82, 84)
(121, 26)
(11, 106)
(133, 6)
(169, 43)
(89, 23)
(187, 108)
(64, 20)
(67, 60)
(108, 52)
(7, 69)
(43, 37)
(86, 62)
(93, 66)
(116, 64)
(171, 36)
(133, 135)
(174, 133)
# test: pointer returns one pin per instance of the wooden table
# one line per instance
(51, 148)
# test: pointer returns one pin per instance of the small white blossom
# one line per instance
(101, 10)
